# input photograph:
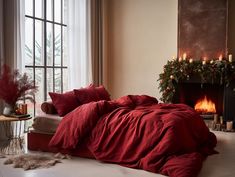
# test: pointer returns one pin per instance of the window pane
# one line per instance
(49, 45)
(38, 43)
(65, 11)
(57, 10)
(65, 49)
(29, 72)
(39, 8)
(28, 41)
(49, 10)
(57, 80)
(65, 80)
(49, 81)
(30, 105)
(39, 81)
(29, 7)
(57, 45)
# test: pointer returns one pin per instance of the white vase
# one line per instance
(8, 109)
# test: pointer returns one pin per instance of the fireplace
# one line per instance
(190, 92)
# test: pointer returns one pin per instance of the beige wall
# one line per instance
(142, 37)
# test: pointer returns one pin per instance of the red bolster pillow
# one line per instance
(48, 108)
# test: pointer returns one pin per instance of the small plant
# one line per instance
(14, 86)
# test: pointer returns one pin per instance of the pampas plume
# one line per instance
(14, 86)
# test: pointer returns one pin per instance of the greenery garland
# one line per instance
(209, 71)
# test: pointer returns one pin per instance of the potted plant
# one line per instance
(14, 87)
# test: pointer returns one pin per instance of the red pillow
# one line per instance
(91, 93)
(64, 102)
(103, 93)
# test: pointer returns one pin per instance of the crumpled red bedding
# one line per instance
(137, 132)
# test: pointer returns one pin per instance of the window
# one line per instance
(45, 46)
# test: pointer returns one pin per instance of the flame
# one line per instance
(205, 106)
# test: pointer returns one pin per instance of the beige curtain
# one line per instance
(96, 14)
(2, 130)
(1, 42)
(14, 32)
(10, 39)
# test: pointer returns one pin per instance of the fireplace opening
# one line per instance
(205, 106)
(207, 99)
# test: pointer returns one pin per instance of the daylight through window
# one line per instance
(45, 46)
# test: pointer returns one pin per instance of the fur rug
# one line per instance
(33, 161)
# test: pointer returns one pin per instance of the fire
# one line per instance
(205, 106)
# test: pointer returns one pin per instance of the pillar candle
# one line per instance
(216, 118)
(229, 125)
(230, 58)
(221, 120)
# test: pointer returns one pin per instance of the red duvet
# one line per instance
(137, 132)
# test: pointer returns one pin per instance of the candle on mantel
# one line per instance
(190, 60)
(220, 58)
(229, 125)
(180, 59)
(230, 58)
(173, 57)
(184, 56)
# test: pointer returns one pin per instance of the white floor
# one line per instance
(220, 165)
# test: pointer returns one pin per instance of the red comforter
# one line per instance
(137, 132)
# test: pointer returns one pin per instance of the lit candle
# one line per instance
(229, 125)
(230, 58)
(216, 118)
(190, 60)
(173, 57)
(212, 61)
(220, 58)
(204, 62)
(221, 120)
(184, 56)
(180, 59)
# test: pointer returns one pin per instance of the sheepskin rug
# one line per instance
(33, 161)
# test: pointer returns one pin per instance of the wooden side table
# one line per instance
(14, 129)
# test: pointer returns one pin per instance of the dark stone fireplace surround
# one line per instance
(189, 91)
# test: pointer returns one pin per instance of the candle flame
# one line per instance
(221, 57)
(184, 56)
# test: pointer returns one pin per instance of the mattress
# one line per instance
(46, 123)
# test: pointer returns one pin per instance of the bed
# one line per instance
(134, 131)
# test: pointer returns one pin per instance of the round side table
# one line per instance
(14, 129)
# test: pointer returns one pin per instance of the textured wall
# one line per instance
(202, 30)
(231, 28)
